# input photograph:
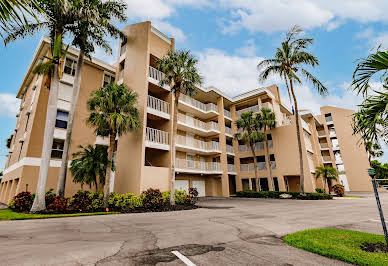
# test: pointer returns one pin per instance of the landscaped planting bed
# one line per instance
(345, 245)
(85, 202)
(280, 194)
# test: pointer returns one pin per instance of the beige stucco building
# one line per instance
(208, 157)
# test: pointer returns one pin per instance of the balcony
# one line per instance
(259, 146)
(253, 109)
(157, 139)
(231, 169)
(324, 146)
(196, 126)
(321, 134)
(335, 147)
(197, 167)
(326, 159)
(158, 107)
(305, 126)
(228, 132)
(329, 120)
(193, 106)
(338, 160)
(121, 77)
(123, 49)
(155, 76)
(249, 167)
(332, 133)
(273, 164)
(229, 149)
(198, 146)
(227, 114)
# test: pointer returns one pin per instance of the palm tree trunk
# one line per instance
(298, 138)
(254, 163)
(112, 139)
(269, 163)
(69, 130)
(175, 99)
(51, 115)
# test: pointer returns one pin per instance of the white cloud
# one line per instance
(374, 40)
(9, 105)
(149, 9)
(275, 15)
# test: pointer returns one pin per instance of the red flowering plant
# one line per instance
(153, 200)
(60, 204)
(22, 202)
(339, 190)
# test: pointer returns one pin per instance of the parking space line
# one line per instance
(183, 258)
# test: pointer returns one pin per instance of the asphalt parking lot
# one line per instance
(223, 232)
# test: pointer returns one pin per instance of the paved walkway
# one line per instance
(227, 232)
(3, 206)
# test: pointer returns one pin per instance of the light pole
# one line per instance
(372, 174)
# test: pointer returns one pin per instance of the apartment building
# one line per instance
(207, 156)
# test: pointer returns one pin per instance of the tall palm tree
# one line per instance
(57, 17)
(266, 120)
(327, 173)
(289, 62)
(88, 164)
(251, 134)
(112, 112)
(181, 74)
(93, 25)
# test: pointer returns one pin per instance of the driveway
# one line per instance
(225, 232)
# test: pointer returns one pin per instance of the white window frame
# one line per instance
(112, 76)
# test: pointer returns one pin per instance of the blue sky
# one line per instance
(230, 37)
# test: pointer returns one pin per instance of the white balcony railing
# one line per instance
(123, 49)
(254, 109)
(229, 149)
(305, 125)
(205, 107)
(259, 146)
(273, 164)
(228, 131)
(231, 168)
(156, 136)
(207, 146)
(249, 167)
(332, 133)
(158, 104)
(197, 166)
(196, 123)
(227, 114)
(121, 74)
(155, 74)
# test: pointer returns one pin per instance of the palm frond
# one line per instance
(320, 88)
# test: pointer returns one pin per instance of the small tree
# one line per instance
(266, 120)
(327, 173)
(112, 113)
(181, 74)
(250, 134)
(88, 164)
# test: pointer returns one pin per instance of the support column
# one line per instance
(222, 140)
(236, 151)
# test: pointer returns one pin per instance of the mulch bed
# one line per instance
(378, 247)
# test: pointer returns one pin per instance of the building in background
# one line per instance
(207, 156)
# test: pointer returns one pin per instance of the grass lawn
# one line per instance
(350, 196)
(339, 244)
(8, 214)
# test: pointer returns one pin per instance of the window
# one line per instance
(328, 117)
(70, 66)
(108, 79)
(263, 184)
(276, 183)
(245, 184)
(57, 149)
(62, 119)
(190, 160)
(253, 181)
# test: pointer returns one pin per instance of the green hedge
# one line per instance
(276, 195)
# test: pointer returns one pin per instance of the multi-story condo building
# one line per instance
(207, 155)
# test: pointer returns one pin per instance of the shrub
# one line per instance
(60, 204)
(166, 197)
(320, 190)
(96, 201)
(129, 202)
(49, 197)
(180, 197)
(22, 202)
(81, 201)
(339, 190)
(152, 199)
(193, 193)
(315, 196)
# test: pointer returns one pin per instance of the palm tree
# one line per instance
(14, 12)
(266, 120)
(88, 164)
(58, 16)
(112, 112)
(93, 25)
(251, 134)
(327, 173)
(289, 63)
(181, 74)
